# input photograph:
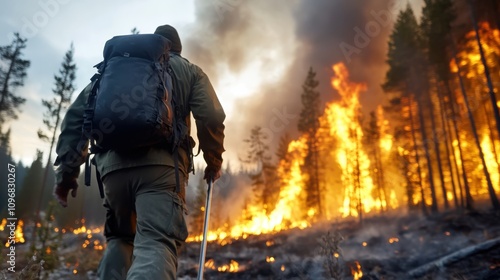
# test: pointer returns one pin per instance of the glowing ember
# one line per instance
(233, 266)
(364, 244)
(210, 264)
(89, 235)
(82, 229)
(2, 225)
(393, 240)
(270, 259)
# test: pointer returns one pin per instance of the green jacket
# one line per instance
(195, 94)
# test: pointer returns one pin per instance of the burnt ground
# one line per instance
(386, 247)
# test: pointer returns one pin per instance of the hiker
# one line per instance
(145, 223)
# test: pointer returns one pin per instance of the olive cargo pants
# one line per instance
(144, 224)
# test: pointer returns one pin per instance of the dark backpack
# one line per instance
(131, 104)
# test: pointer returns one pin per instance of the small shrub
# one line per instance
(330, 248)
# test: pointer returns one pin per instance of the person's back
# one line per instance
(145, 215)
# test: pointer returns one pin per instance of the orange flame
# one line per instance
(340, 135)
(472, 69)
(232, 267)
(356, 272)
(18, 233)
(342, 124)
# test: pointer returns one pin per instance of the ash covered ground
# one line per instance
(386, 247)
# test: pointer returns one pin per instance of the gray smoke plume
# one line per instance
(283, 39)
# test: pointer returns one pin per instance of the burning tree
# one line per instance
(309, 125)
(405, 78)
(341, 126)
(423, 88)
(373, 134)
(469, 72)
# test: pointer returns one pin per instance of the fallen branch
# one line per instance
(454, 257)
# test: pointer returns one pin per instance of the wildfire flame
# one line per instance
(232, 267)
(340, 136)
(393, 240)
(472, 69)
(342, 127)
(19, 235)
(356, 272)
(352, 182)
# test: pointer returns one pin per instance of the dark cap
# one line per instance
(170, 33)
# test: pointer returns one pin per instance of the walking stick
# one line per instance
(203, 248)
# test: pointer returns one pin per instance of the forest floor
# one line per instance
(388, 247)
(383, 247)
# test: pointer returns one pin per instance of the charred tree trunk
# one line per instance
(468, 203)
(447, 142)
(358, 180)
(454, 257)
(377, 178)
(409, 186)
(316, 176)
(425, 139)
(380, 177)
(417, 158)
(438, 156)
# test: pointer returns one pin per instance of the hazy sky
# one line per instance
(51, 26)
(256, 53)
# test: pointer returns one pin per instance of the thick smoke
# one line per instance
(232, 36)
(283, 39)
(354, 32)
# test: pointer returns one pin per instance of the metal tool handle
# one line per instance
(203, 248)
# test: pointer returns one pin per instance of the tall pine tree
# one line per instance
(64, 88)
(12, 73)
(309, 125)
(28, 194)
(407, 63)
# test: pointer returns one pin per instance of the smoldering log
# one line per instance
(454, 257)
